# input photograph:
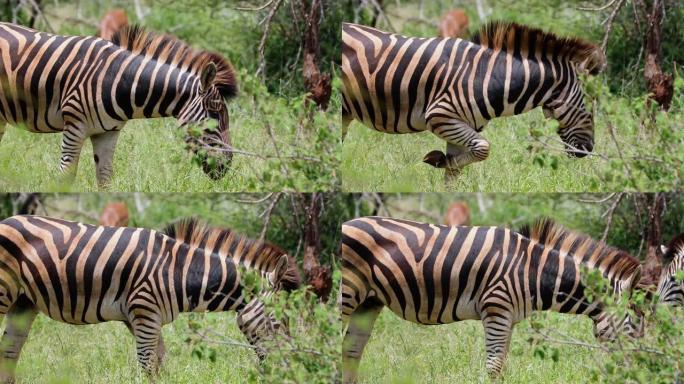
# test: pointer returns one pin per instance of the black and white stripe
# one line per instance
(454, 87)
(87, 87)
(84, 274)
(434, 274)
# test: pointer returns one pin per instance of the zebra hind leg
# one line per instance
(498, 330)
(19, 320)
(103, 153)
(355, 340)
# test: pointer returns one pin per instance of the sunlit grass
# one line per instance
(151, 157)
(403, 352)
(105, 353)
(374, 161)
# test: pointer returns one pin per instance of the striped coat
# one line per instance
(621, 270)
(84, 274)
(86, 87)
(432, 274)
(454, 87)
(670, 285)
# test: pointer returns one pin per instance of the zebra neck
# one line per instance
(160, 92)
(250, 253)
(556, 285)
(208, 282)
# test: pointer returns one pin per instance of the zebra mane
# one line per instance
(503, 35)
(176, 52)
(251, 253)
(548, 232)
(674, 247)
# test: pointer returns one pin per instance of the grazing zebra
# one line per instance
(454, 87)
(621, 270)
(84, 274)
(87, 87)
(433, 274)
(670, 288)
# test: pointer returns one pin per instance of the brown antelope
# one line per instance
(454, 24)
(457, 214)
(111, 22)
(114, 215)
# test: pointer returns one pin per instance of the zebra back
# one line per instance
(271, 261)
(622, 269)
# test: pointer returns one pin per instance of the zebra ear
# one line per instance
(208, 75)
(663, 249)
(280, 270)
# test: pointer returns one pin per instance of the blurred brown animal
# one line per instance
(457, 214)
(454, 24)
(111, 22)
(115, 215)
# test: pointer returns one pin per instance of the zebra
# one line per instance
(670, 287)
(621, 270)
(453, 87)
(85, 274)
(434, 274)
(87, 87)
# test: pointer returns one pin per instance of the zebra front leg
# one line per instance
(498, 328)
(147, 332)
(355, 340)
(19, 320)
(72, 143)
(103, 153)
(466, 146)
(161, 348)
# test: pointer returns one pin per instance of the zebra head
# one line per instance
(258, 326)
(670, 287)
(607, 326)
(575, 123)
(578, 134)
(207, 101)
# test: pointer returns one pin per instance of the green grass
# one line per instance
(105, 353)
(403, 352)
(374, 161)
(151, 157)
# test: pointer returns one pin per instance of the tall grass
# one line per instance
(151, 157)
(403, 352)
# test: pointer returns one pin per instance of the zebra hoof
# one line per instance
(436, 158)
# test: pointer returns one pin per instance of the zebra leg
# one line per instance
(19, 320)
(161, 348)
(103, 153)
(72, 143)
(355, 340)
(468, 146)
(453, 152)
(498, 328)
(2, 130)
(346, 120)
(147, 332)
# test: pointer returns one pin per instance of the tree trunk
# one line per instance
(317, 276)
(653, 264)
(660, 85)
(317, 84)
